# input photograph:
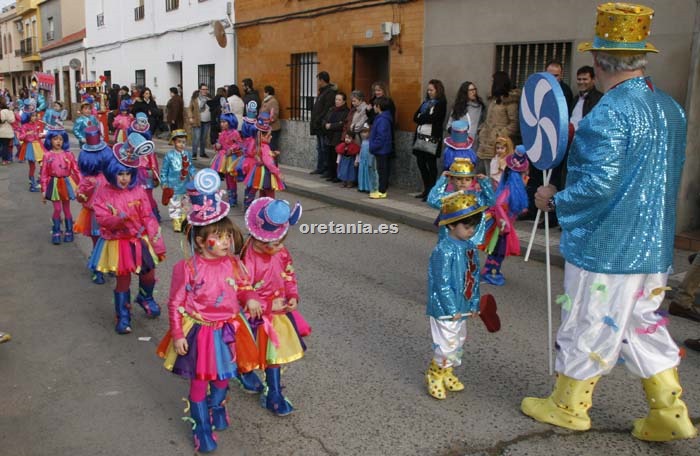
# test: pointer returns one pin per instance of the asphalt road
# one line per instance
(72, 386)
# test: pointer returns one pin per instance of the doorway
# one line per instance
(369, 64)
(174, 75)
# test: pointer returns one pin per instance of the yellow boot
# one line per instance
(434, 377)
(451, 381)
(177, 225)
(567, 406)
(668, 416)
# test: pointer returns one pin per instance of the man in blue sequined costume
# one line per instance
(617, 215)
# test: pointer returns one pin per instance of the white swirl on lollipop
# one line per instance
(207, 181)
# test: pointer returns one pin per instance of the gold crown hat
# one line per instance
(180, 133)
(621, 27)
(461, 167)
(459, 205)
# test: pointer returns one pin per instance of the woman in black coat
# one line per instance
(215, 110)
(147, 105)
(430, 118)
(333, 128)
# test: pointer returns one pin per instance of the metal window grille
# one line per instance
(101, 20)
(140, 78)
(522, 60)
(171, 5)
(138, 13)
(205, 75)
(303, 69)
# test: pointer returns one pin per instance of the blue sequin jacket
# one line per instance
(81, 123)
(170, 172)
(450, 290)
(618, 210)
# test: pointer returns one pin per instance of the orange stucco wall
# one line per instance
(264, 50)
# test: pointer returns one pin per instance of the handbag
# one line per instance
(168, 193)
(425, 143)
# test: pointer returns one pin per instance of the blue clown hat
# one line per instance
(206, 203)
(268, 219)
(459, 205)
(140, 123)
(125, 105)
(459, 136)
(93, 140)
(251, 112)
(130, 152)
(263, 123)
(29, 105)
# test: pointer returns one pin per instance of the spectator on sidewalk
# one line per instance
(324, 102)
(215, 110)
(249, 93)
(174, 110)
(380, 143)
(357, 117)
(199, 118)
(470, 108)
(333, 126)
(236, 104)
(683, 301)
(272, 106)
(147, 105)
(430, 118)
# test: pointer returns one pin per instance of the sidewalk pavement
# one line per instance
(402, 207)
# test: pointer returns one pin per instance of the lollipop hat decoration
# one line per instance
(268, 219)
(140, 123)
(621, 28)
(206, 203)
(263, 123)
(251, 112)
(130, 152)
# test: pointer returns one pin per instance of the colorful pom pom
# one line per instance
(564, 301)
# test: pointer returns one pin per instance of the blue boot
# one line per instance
(56, 231)
(216, 401)
(33, 187)
(122, 308)
(98, 278)
(146, 301)
(491, 273)
(156, 214)
(272, 399)
(68, 235)
(249, 382)
(204, 441)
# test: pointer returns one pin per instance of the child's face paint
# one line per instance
(270, 248)
(217, 245)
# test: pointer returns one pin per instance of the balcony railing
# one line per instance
(27, 46)
(171, 5)
(138, 13)
(101, 20)
(49, 35)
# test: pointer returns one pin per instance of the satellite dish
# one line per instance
(74, 64)
(219, 33)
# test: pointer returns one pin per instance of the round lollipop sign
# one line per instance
(544, 120)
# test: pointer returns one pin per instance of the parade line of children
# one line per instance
(233, 303)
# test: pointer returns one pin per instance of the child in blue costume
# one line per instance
(367, 177)
(458, 145)
(176, 173)
(83, 121)
(461, 176)
(453, 289)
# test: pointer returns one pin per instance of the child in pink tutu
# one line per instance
(209, 335)
(122, 122)
(229, 154)
(261, 172)
(130, 238)
(271, 270)
(30, 134)
(91, 160)
(59, 181)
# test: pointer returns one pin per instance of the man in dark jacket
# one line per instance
(249, 93)
(324, 101)
(588, 95)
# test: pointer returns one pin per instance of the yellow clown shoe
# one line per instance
(567, 406)
(434, 378)
(451, 381)
(668, 416)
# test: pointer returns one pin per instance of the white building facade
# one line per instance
(159, 44)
